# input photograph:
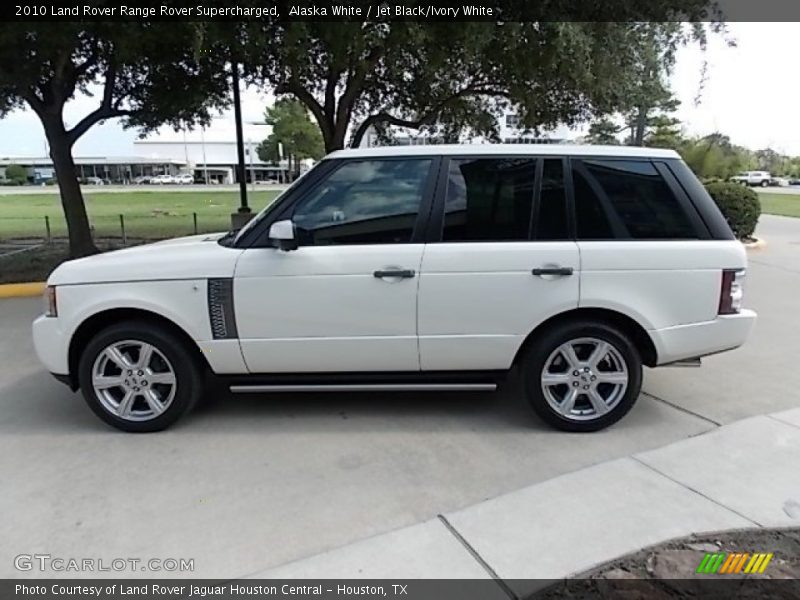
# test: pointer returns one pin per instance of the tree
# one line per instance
(294, 130)
(360, 75)
(772, 161)
(603, 131)
(148, 74)
(715, 157)
(16, 174)
(665, 132)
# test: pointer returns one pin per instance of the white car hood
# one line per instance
(193, 257)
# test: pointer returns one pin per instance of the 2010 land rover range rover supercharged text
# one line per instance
(416, 268)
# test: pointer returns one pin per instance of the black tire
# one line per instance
(764, 183)
(187, 370)
(536, 356)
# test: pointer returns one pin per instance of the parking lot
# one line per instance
(247, 483)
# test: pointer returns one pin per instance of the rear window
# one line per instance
(624, 199)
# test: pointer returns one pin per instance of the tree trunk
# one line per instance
(641, 124)
(336, 140)
(80, 235)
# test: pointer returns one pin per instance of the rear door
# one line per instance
(501, 260)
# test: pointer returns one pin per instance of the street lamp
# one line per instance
(243, 214)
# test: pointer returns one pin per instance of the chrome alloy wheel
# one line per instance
(133, 380)
(584, 379)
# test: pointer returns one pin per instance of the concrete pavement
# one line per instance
(250, 483)
(742, 475)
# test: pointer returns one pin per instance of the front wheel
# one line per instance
(582, 376)
(139, 377)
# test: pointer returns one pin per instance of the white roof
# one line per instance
(506, 149)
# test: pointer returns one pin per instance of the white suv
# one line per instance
(416, 268)
(759, 178)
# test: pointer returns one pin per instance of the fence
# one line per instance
(123, 228)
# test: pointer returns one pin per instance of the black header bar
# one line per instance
(401, 10)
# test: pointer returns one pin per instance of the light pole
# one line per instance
(252, 171)
(203, 146)
(243, 214)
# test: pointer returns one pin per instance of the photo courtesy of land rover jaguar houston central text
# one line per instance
(416, 268)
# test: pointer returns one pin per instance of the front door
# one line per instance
(346, 299)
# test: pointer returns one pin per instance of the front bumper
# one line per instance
(51, 345)
(726, 332)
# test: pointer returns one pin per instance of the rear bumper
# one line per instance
(726, 332)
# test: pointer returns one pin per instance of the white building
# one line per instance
(211, 155)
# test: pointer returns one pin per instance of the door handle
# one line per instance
(401, 273)
(564, 271)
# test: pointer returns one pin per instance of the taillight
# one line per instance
(732, 292)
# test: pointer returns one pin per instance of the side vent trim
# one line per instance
(220, 309)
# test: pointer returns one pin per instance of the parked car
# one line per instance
(794, 181)
(163, 179)
(142, 180)
(779, 182)
(95, 181)
(416, 268)
(184, 179)
(753, 178)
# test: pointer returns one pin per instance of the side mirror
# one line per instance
(281, 234)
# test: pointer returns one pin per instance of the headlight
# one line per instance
(50, 305)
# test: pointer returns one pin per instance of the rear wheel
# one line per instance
(582, 376)
(764, 183)
(139, 377)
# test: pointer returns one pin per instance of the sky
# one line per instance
(750, 93)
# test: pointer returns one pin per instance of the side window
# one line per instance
(363, 202)
(489, 199)
(551, 221)
(628, 200)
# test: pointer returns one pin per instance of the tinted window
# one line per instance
(627, 199)
(364, 202)
(551, 220)
(489, 199)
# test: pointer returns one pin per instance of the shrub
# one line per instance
(16, 174)
(739, 205)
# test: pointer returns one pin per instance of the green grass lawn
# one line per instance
(147, 214)
(787, 205)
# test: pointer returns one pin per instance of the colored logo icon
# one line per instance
(726, 563)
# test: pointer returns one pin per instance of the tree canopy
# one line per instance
(447, 78)
(147, 74)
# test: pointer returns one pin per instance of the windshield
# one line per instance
(265, 211)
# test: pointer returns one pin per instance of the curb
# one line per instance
(22, 290)
(758, 244)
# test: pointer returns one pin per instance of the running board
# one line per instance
(366, 387)
(689, 362)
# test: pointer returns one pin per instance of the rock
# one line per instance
(703, 547)
(617, 574)
(675, 564)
